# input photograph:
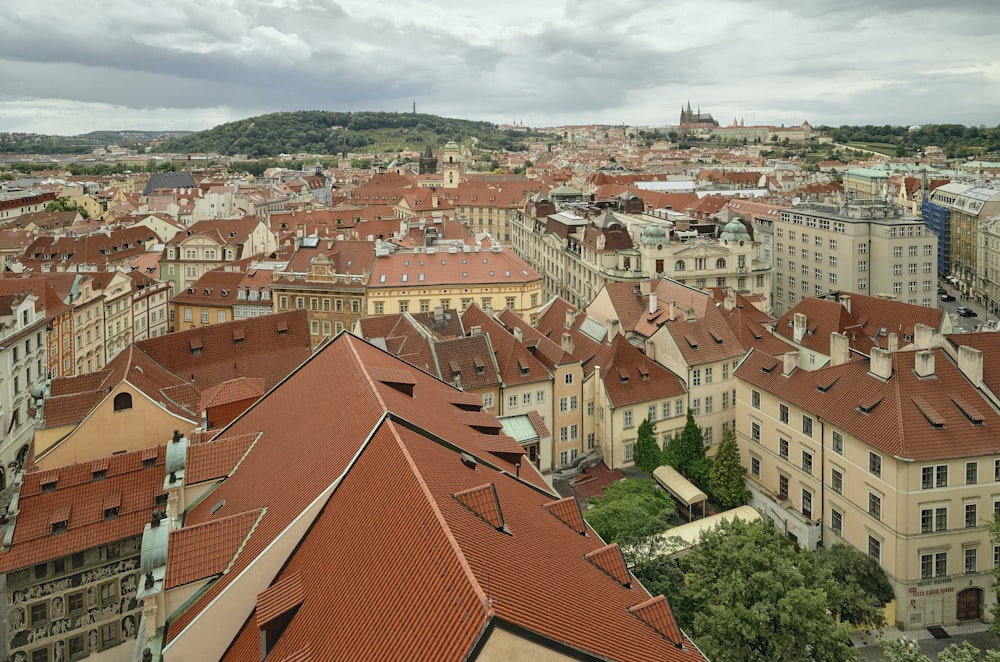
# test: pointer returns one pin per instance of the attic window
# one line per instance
(643, 372)
(693, 344)
(523, 366)
(623, 375)
(111, 513)
(480, 366)
(196, 346)
(99, 474)
(931, 414)
(276, 607)
(970, 412)
(869, 407)
(123, 401)
(715, 337)
(49, 486)
(283, 328)
(826, 386)
(239, 335)
(59, 527)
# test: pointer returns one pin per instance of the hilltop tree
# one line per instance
(726, 480)
(65, 204)
(646, 454)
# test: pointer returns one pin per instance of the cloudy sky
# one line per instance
(73, 66)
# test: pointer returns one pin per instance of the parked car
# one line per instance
(941, 290)
(966, 312)
(947, 297)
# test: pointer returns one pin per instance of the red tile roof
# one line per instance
(81, 500)
(400, 479)
(206, 550)
(217, 458)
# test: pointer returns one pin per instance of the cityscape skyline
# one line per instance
(192, 66)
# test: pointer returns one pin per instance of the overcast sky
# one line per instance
(73, 66)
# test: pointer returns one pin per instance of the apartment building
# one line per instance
(865, 246)
(958, 213)
(210, 244)
(682, 329)
(888, 452)
(988, 263)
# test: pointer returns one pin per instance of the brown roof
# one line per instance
(469, 527)
(131, 483)
(205, 550)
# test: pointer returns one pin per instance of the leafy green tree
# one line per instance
(632, 512)
(862, 587)
(994, 528)
(686, 451)
(726, 480)
(646, 453)
(751, 595)
(65, 204)
(907, 650)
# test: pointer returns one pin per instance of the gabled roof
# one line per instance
(823, 317)
(516, 363)
(630, 377)
(90, 504)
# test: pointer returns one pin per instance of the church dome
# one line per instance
(654, 235)
(735, 231)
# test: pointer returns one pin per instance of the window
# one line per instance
(837, 521)
(666, 410)
(783, 448)
(807, 462)
(755, 467)
(970, 516)
(875, 464)
(755, 399)
(39, 613)
(708, 404)
(725, 399)
(109, 635)
(933, 519)
(755, 431)
(696, 406)
(109, 593)
(696, 377)
(941, 475)
(783, 413)
(875, 548)
(204, 317)
(512, 401)
(837, 443)
(807, 426)
(526, 399)
(708, 375)
(590, 408)
(875, 505)
(627, 418)
(628, 452)
(188, 315)
(379, 308)
(123, 402)
(539, 397)
(679, 409)
(590, 441)
(970, 560)
(971, 473)
(996, 470)
(77, 647)
(783, 486)
(807, 503)
(75, 603)
(487, 400)
(652, 413)
(837, 480)
(934, 565)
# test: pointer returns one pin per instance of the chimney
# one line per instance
(880, 363)
(789, 362)
(476, 330)
(650, 350)
(893, 341)
(689, 315)
(923, 336)
(840, 349)
(730, 301)
(845, 300)
(645, 286)
(970, 362)
(652, 302)
(923, 363)
(567, 343)
(798, 327)
(518, 334)
(673, 310)
(569, 318)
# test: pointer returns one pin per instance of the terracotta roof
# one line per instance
(443, 268)
(630, 377)
(232, 390)
(396, 481)
(81, 498)
(517, 365)
(206, 550)
(217, 458)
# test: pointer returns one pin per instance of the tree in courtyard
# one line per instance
(907, 650)
(686, 452)
(752, 595)
(862, 587)
(646, 454)
(632, 512)
(726, 479)
(65, 204)
(994, 528)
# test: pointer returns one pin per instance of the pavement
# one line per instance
(975, 632)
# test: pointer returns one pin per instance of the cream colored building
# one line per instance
(863, 247)
(889, 453)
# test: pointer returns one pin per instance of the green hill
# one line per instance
(326, 132)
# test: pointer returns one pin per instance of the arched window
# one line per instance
(123, 401)
(720, 263)
(679, 265)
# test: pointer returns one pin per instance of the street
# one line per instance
(968, 324)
